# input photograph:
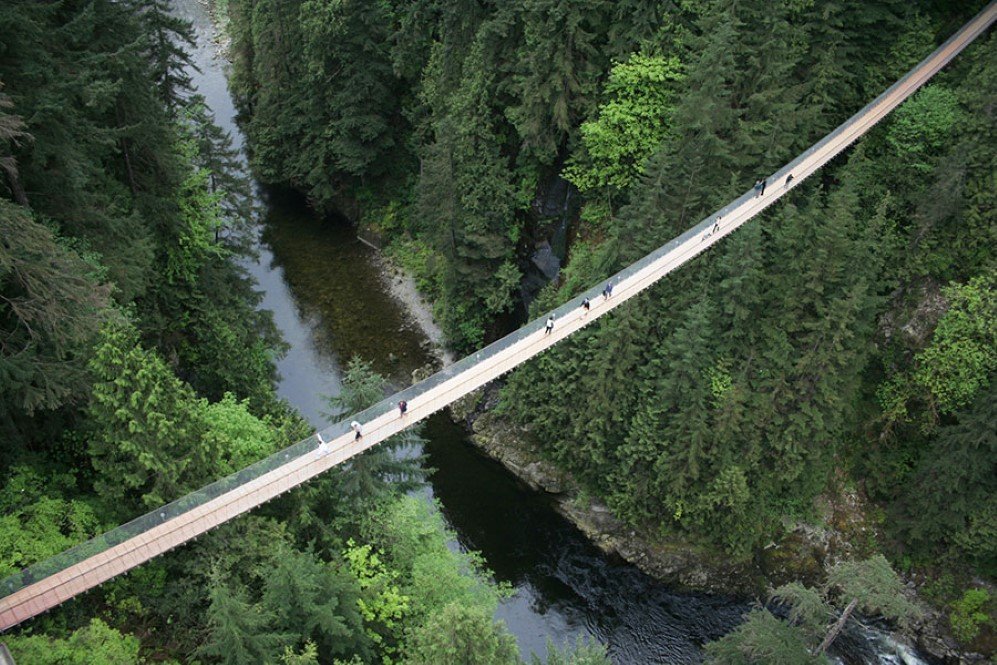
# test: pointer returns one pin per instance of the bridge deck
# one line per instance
(54, 581)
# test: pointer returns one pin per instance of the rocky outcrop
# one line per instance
(680, 563)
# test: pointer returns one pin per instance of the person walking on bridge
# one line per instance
(358, 428)
(402, 408)
(607, 292)
(549, 328)
(586, 305)
(759, 187)
(716, 224)
(323, 447)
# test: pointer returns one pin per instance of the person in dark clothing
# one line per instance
(764, 182)
(758, 188)
(586, 305)
(716, 224)
(402, 407)
(789, 179)
(607, 292)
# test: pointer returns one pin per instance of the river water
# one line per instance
(330, 303)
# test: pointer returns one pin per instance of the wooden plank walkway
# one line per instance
(494, 361)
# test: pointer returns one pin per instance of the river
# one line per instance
(330, 302)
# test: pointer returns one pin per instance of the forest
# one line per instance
(846, 339)
(135, 367)
(844, 342)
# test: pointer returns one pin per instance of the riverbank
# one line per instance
(403, 289)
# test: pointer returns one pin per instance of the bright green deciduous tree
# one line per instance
(239, 437)
(631, 124)
(37, 522)
(95, 644)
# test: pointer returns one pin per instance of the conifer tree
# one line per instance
(313, 599)
(51, 306)
(556, 71)
(387, 468)
(239, 631)
(12, 134)
(168, 39)
(147, 442)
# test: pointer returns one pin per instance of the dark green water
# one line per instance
(328, 301)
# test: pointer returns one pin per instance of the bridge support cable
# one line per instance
(53, 581)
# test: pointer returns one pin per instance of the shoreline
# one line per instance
(402, 288)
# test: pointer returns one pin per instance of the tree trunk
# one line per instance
(838, 625)
(17, 189)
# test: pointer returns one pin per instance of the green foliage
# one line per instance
(95, 644)
(381, 603)
(963, 351)
(152, 438)
(318, 601)
(582, 652)
(631, 124)
(875, 585)
(240, 437)
(51, 306)
(414, 539)
(308, 655)
(762, 638)
(461, 635)
(920, 127)
(380, 472)
(238, 631)
(146, 442)
(948, 504)
(38, 521)
(969, 614)
(808, 609)
(870, 585)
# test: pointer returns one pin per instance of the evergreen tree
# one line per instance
(951, 500)
(387, 468)
(51, 306)
(169, 37)
(556, 71)
(461, 636)
(239, 631)
(315, 600)
(804, 635)
(147, 443)
(222, 162)
(12, 135)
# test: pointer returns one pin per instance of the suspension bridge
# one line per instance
(53, 581)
